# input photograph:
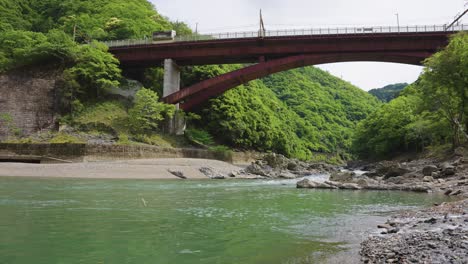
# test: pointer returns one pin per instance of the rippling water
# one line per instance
(141, 221)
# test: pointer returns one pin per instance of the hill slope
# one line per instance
(389, 92)
(297, 112)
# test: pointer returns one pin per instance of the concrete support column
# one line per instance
(176, 125)
(171, 77)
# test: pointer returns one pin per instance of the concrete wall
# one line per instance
(28, 98)
(93, 153)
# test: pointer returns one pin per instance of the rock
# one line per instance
(276, 161)
(177, 174)
(256, 169)
(457, 192)
(211, 173)
(292, 166)
(447, 169)
(321, 167)
(346, 176)
(305, 183)
(363, 182)
(428, 170)
(350, 186)
(396, 180)
(384, 226)
(395, 171)
(371, 174)
(448, 192)
(384, 167)
(428, 179)
(287, 175)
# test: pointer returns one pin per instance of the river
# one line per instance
(230, 221)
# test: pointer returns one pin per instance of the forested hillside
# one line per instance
(297, 113)
(431, 112)
(389, 92)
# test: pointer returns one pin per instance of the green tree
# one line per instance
(445, 85)
(147, 113)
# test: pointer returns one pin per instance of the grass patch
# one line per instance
(153, 139)
(109, 117)
(62, 138)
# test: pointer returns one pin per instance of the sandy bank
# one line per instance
(131, 169)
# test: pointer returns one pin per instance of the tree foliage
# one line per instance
(297, 113)
(147, 112)
(389, 92)
(431, 111)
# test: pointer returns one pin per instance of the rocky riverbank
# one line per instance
(449, 177)
(435, 235)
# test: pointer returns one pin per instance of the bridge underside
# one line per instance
(275, 54)
(195, 95)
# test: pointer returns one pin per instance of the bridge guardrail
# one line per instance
(293, 32)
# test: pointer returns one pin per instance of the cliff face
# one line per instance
(27, 102)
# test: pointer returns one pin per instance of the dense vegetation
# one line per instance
(433, 111)
(299, 113)
(389, 92)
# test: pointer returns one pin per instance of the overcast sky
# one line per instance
(242, 15)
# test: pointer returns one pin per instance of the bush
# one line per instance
(199, 137)
(147, 113)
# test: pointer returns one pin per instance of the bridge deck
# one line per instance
(342, 32)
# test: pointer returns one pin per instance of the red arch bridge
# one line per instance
(269, 52)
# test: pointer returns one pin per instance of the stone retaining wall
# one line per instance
(93, 153)
(27, 101)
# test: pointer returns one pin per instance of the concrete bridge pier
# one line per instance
(177, 124)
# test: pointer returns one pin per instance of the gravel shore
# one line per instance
(434, 235)
(131, 169)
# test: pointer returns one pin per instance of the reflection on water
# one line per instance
(140, 221)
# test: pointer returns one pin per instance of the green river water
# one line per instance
(138, 221)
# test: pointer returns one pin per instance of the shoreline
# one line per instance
(157, 169)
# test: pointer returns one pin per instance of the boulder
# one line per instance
(395, 171)
(447, 169)
(211, 173)
(321, 167)
(428, 170)
(428, 179)
(364, 182)
(256, 169)
(350, 186)
(345, 176)
(276, 161)
(305, 183)
(384, 167)
(396, 180)
(287, 175)
(177, 174)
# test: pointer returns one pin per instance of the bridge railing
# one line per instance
(293, 32)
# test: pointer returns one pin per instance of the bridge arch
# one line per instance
(195, 95)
